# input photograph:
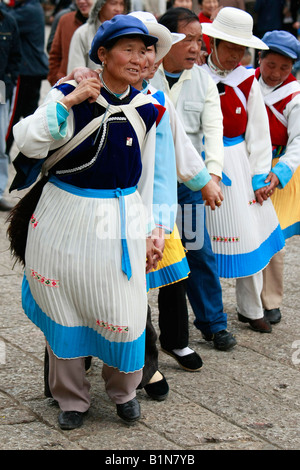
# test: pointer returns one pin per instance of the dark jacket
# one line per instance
(269, 15)
(29, 15)
(10, 51)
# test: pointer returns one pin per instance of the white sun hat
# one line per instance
(233, 25)
(165, 38)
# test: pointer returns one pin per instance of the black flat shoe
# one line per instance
(273, 315)
(223, 340)
(158, 390)
(70, 419)
(191, 362)
(130, 411)
(261, 325)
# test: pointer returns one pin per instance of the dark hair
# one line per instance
(265, 53)
(173, 16)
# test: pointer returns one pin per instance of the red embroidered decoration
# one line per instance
(225, 239)
(113, 328)
(33, 221)
(44, 280)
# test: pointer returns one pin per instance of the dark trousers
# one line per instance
(203, 288)
(151, 352)
(173, 316)
(27, 101)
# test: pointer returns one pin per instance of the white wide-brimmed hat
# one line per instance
(165, 38)
(234, 25)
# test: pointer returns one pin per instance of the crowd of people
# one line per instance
(168, 154)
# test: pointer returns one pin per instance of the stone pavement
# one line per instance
(245, 399)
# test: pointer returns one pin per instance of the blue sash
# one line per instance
(105, 194)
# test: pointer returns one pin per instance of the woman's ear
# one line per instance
(102, 55)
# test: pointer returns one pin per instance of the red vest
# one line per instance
(234, 113)
(278, 131)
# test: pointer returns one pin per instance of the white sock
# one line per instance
(183, 352)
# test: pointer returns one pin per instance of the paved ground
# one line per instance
(246, 399)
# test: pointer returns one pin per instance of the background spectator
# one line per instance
(9, 71)
(30, 18)
(67, 25)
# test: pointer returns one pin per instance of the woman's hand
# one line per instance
(87, 89)
(153, 253)
(261, 195)
(79, 73)
(274, 182)
(212, 193)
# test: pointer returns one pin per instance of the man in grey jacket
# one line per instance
(196, 100)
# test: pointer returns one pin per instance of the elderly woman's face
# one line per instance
(228, 55)
(123, 64)
(275, 68)
(148, 71)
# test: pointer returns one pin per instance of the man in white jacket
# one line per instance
(197, 102)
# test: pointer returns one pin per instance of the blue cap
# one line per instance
(119, 26)
(283, 42)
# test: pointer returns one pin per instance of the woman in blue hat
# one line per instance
(281, 92)
(87, 245)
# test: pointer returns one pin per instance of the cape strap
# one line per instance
(291, 88)
(128, 109)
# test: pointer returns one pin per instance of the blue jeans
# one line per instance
(4, 159)
(203, 285)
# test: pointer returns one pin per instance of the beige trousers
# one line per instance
(272, 292)
(70, 387)
(248, 296)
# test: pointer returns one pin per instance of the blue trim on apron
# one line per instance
(168, 274)
(247, 264)
(229, 142)
(69, 342)
(291, 230)
(104, 194)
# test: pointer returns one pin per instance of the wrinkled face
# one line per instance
(183, 4)
(275, 68)
(228, 55)
(208, 6)
(110, 9)
(84, 6)
(183, 55)
(148, 71)
(123, 64)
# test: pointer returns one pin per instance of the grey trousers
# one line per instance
(70, 387)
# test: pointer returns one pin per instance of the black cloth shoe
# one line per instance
(223, 340)
(130, 411)
(261, 324)
(70, 419)
(273, 316)
(191, 362)
(158, 390)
